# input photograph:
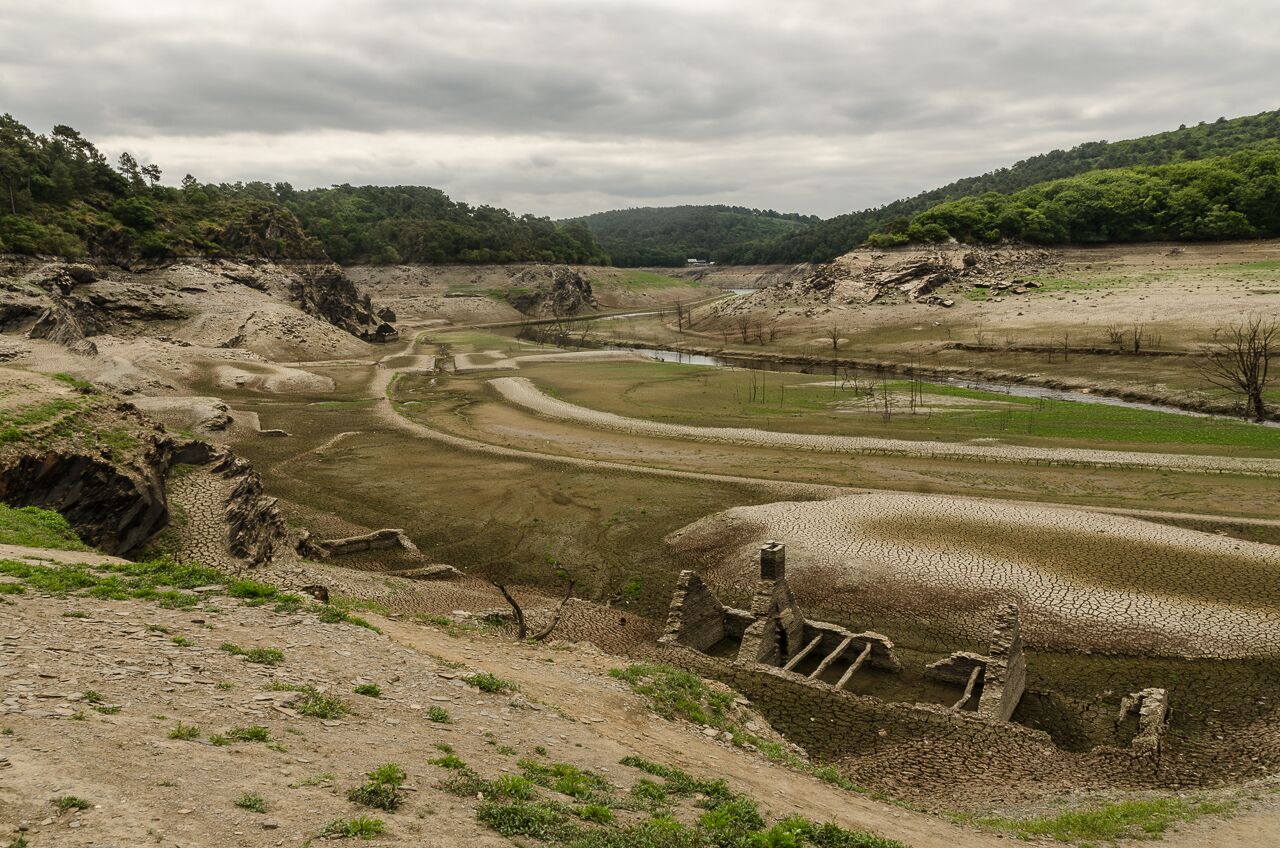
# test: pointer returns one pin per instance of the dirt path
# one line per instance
(521, 392)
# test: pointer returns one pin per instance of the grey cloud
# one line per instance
(563, 106)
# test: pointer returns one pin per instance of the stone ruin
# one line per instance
(774, 632)
(996, 679)
(798, 671)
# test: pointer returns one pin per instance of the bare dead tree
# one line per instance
(1066, 345)
(1139, 334)
(834, 334)
(1115, 335)
(1239, 360)
(522, 627)
(680, 315)
(744, 324)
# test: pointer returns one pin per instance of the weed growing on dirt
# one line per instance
(486, 682)
(252, 733)
(439, 715)
(371, 690)
(360, 827)
(262, 656)
(252, 803)
(381, 788)
(185, 732)
(70, 802)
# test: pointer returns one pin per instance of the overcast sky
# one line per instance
(562, 107)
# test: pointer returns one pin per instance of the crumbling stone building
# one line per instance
(798, 671)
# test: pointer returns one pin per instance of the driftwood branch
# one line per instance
(522, 630)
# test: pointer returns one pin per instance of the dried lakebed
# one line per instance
(522, 392)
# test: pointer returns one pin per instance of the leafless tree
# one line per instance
(834, 335)
(744, 323)
(1239, 360)
(680, 315)
(1139, 334)
(522, 627)
(1115, 335)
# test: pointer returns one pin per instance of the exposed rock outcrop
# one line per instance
(325, 292)
(551, 290)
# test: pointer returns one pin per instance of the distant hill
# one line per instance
(59, 195)
(1224, 197)
(830, 238)
(670, 235)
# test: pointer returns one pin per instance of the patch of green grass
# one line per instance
(676, 693)
(262, 656)
(37, 528)
(252, 733)
(381, 788)
(449, 761)
(182, 641)
(317, 705)
(597, 813)
(439, 715)
(566, 779)
(185, 732)
(370, 690)
(75, 614)
(529, 819)
(1143, 819)
(486, 682)
(360, 827)
(70, 802)
(12, 589)
(330, 614)
(252, 803)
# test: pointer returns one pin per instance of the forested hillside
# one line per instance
(60, 195)
(828, 239)
(671, 235)
(1226, 197)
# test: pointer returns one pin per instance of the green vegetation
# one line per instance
(360, 827)
(439, 715)
(670, 235)
(313, 703)
(59, 195)
(513, 807)
(330, 614)
(824, 241)
(262, 656)
(370, 690)
(252, 733)
(676, 693)
(252, 803)
(381, 788)
(37, 528)
(1229, 197)
(486, 682)
(70, 802)
(185, 732)
(1109, 822)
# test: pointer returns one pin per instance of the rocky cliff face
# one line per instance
(551, 290)
(325, 292)
(103, 466)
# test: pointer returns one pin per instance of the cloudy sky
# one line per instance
(562, 107)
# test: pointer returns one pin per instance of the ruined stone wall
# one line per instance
(916, 751)
(696, 617)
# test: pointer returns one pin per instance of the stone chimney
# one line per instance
(773, 561)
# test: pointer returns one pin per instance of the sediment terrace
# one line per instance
(523, 393)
